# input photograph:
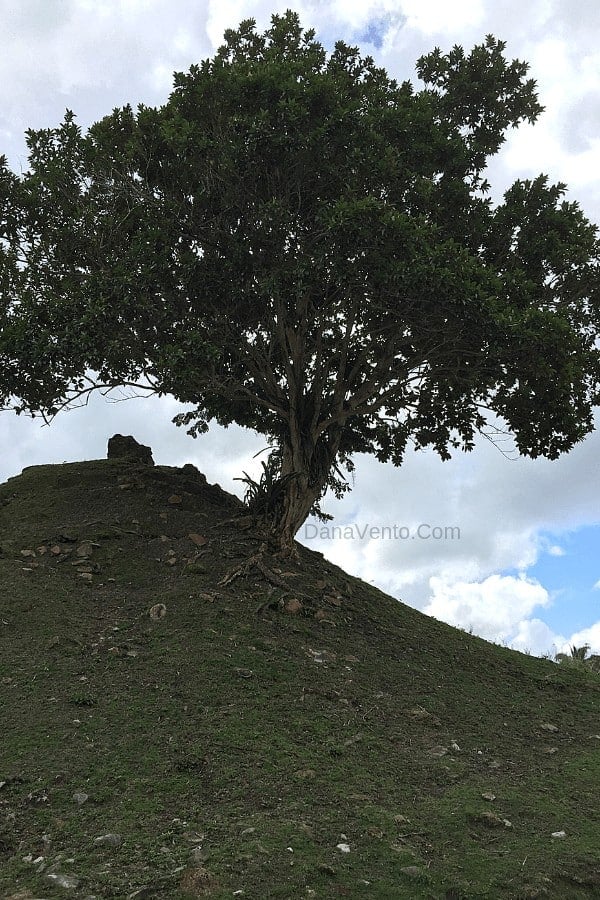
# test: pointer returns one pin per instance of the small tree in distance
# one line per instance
(298, 244)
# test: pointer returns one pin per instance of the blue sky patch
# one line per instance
(376, 30)
(570, 579)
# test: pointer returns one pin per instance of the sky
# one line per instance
(504, 547)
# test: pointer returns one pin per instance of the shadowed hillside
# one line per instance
(182, 717)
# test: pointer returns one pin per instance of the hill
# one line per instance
(183, 716)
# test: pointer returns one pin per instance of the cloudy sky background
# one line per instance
(524, 570)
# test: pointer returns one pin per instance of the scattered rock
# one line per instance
(547, 726)
(412, 871)
(321, 656)
(292, 607)
(175, 499)
(489, 796)
(559, 834)
(198, 539)
(491, 820)
(28, 554)
(158, 611)
(244, 673)
(327, 870)
(305, 773)
(85, 549)
(199, 855)
(401, 820)
(80, 797)
(126, 447)
(37, 797)
(108, 840)
(343, 847)
(69, 882)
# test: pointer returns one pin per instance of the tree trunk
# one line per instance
(305, 469)
(297, 502)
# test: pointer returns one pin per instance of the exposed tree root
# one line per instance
(254, 563)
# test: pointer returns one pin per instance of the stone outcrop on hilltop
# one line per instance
(126, 447)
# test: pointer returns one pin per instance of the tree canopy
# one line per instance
(299, 244)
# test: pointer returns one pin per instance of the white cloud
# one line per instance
(555, 550)
(90, 57)
(590, 636)
(565, 140)
(435, 16)
(493, 608)
(502, 507)
(535, 637)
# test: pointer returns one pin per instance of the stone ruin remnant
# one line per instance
(126, 447)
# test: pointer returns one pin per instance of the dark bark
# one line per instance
(306, 465)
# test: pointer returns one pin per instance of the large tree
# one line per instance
(298, 244)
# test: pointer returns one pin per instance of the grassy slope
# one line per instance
(259, 736)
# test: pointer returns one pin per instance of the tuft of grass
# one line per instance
(235, 747)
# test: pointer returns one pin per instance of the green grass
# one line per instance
(232, 745)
